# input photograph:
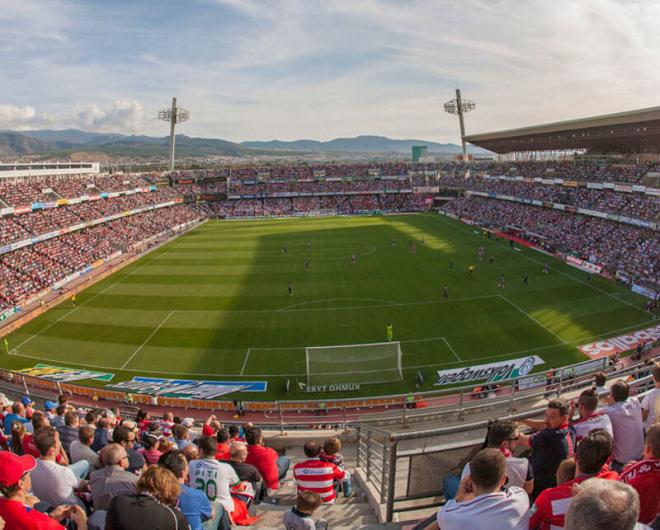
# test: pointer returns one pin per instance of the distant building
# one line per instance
(419, 152)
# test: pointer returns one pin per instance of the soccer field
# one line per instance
(214, 304)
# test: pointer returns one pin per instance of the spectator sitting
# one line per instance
(191, 452)
(223, 445)
(81, 448)
(315, 475)
(300, 516)
(113, 479)
(592, 453)
(192, 502)
(150, 448)
(603, 504)
(155, 501)
(69, 431)
(601, 384)
(181, 436)
(50, 408)
(17, 415)
(503, 435)
(17, 437)
(566, 471)
(208, 469)
(331, 453)
(626, 415)
(273, 467)
(589, 420)
(102, 434)
(54, 483)
(651, 402)
(249, 475)
(644, 476)
(553, 442)
(39, 421)
(58, 420)
(126, 437)
(235, 434)
(28, 404)
(16, 503)
(480, 503)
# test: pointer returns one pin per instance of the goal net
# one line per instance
(378, 362)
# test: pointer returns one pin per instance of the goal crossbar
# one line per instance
(377, 362)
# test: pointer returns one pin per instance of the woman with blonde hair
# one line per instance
(155, 501)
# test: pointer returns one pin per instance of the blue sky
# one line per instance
(289, 69)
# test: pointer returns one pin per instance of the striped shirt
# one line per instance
(550, 508)
(319, 477)
(598, 420)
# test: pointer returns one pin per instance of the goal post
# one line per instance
(378, 362)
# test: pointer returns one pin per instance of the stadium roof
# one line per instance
(636, 131)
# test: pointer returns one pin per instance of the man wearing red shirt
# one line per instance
(316, 475)
(592, 453)
(224, 447)
(644, 476)
(16, 503)
(273, 467)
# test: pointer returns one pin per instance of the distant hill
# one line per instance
(359, 144)
(67, 141)
(13, 143)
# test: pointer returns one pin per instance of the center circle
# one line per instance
(332, 251)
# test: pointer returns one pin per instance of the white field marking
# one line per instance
(451, 349)
(157, 256)
(147, 339)
(393, 304)
(342, 258)
(288, 307)
(588, 284)
(247, 354)
(533, 319)
(485, 358)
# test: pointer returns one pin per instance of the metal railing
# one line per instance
(387, 459)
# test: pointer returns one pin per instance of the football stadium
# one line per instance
(358, 333)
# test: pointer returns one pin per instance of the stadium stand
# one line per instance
(263, 489)
(388, 466)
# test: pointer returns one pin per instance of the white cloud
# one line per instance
(257, 69)
(22, 118)
(122, 116)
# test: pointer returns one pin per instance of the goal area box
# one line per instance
(378, 362)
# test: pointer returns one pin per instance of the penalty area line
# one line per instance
(451, 349)
(247, 355)
(533, 319)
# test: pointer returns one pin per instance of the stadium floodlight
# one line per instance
(460, 106)
(173, 115)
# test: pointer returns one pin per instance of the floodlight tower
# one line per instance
(173, 115)
(460, 106)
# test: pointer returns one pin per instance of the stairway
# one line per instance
(352, 513)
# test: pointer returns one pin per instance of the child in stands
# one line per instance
(300, 517)
(331, 453)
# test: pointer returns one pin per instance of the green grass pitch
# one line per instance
(213, 304)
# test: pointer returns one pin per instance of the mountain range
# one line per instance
(64, 142)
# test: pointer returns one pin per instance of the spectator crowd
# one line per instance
(590, 463)
(62, 465)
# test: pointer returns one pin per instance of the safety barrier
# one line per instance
(395, 465)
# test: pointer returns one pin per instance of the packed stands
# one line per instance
(614, 246)
(606, 212)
